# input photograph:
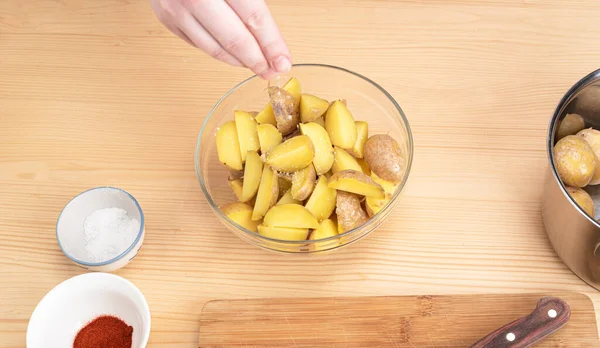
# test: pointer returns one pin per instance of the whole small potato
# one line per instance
(571, 124)
(582, 199)
(575, 161)
(592, 137)
(384, 157)
(588, 102)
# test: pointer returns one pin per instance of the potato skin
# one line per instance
(582, 199)
(575, 161)
(349, 211)
(592, 137)
(286, 110)
(384, 157)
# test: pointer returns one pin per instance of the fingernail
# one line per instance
(282, 64)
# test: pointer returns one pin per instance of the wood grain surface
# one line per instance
(455, 321)
(99, 93)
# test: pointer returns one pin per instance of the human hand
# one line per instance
(237, 32)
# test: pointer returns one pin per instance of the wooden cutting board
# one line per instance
(402, 321)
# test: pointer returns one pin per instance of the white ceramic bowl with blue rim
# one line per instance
(67, 308)
(70, 226)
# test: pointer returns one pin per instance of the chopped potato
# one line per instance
(323, 160)
(268, 137)
(362, 134)
(340, 125)
(322, 201)
(288, 199)
(252, 175)
(342, 160)
(241, 213)
(228, 146)
(246, 131)
(356, 182)
(312, 107)
(292, 155)
(303, 183)
(268, 192)
(290, 215)
(283, 233)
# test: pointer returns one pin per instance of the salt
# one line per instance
(109, 232)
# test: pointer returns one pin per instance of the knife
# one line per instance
(550, 314)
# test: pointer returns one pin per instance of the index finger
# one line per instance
(258, 19)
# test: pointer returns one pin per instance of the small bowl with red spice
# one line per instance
(91, 310)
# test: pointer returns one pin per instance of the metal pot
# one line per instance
(574, 234)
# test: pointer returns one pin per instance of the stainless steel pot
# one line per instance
(574, 234)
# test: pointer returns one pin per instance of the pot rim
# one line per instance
(590, 78)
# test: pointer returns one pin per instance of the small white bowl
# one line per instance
(73, 303)
(69, 227)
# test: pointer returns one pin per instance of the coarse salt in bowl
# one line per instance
(101, 229)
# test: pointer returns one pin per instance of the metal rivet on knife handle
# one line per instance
(550, 314)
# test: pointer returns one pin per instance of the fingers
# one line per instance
(257, 18)
(200, 38)
(231, 33)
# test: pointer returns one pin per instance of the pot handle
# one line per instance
(550, 314)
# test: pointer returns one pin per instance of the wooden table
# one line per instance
(99, 93)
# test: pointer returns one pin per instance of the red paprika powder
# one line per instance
(105, 331)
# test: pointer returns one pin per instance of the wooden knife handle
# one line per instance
(550, 315)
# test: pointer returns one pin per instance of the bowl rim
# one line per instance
(147, 316)
(121, 255)
(382, 212)
(571, 94)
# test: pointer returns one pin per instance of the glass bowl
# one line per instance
(366, 100)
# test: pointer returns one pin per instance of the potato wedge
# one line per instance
(342, 160)
(286, 110)
(340, 125)
(288, 199)
(266, 115)
(236, 186)
(246, 131)
(385, 158)
(327, 228)
(362, 134)
(323, 160)
(349, 211)
(364, 166)
(268, 137)
(303, 182)
(293, 87)
(312, 107)
(268, 192)
(283, 233)
(322, 201)
(228, 146)
(356, 182)
(290, 215)
(241, 213)
(252, 175)
(292, 155)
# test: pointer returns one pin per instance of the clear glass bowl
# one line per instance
(366, 100)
